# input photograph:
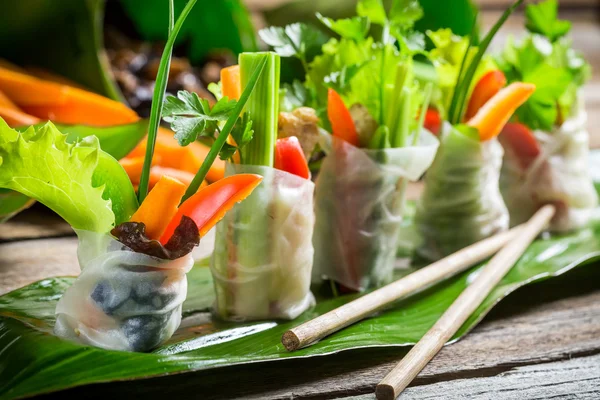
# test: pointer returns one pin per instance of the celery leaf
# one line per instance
(542, 18)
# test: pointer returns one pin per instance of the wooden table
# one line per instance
(541, 342)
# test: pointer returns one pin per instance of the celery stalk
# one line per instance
(262, 107)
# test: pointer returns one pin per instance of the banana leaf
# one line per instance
(33, 361)
(62, 36)
(215, 24)
(118, 141)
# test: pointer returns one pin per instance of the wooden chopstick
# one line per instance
(326, 324)
(396, 381)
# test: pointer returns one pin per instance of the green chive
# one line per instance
(158, 97)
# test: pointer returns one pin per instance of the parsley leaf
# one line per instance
(242, 133)
(192, 117)
(372, 9)
(292, 96)
(404, 13)
(355, 28)
(295, 40)
(542, 18)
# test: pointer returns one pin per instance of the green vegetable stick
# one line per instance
(262, 107)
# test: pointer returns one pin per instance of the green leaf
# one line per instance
(404, 13)
(542, 18)
(34, 361)
(64, 37)
(295, 40)
(42, 165)
(372, 9)
(340, 80)
(216, 89)
(292, 96)
(12, 203)
(242, 134)
(191, 116)
(355, 28)
(212, 25)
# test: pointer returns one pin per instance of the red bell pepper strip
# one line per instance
(209, 205)
(486, 88)
(433, 121)
(289, 157)
(522, 142)
(342, 124)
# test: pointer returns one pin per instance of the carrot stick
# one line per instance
(157, 172)
(160, 206)
(210, 204)
(231, 84)
(486, 88)
(342, 125)
(491, 118)
(16, 118)
(24, 89)
(188, 158)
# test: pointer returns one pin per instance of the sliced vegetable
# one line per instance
(82, 107)
(26, 90)
(210, 204)
(39, 163)
(262, 107)
(159, 207)
(289, 157)
(491, 118)
(231, 84)
(7, 103)
(522, 142)
(433, 121)
(342, 125)
(172, 155)
(16, 118)
(486, 88)
(157, 172)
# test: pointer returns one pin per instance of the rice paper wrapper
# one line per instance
(461, 203)
(122, 300)
(559, 175)
(359, 205)
(263, 253)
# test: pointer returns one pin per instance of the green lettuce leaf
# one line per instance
(42, 165)
(542, 18)
(557, 71)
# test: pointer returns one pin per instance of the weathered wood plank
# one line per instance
(552, 321)
(37, 222)
(572, 379)
(28, 261)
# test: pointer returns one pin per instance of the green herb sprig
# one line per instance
(463, 83)
(160, 88)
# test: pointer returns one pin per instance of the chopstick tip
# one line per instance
(290, 341)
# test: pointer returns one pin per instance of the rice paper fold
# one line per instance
(264, 254)
(560, 175)
(122, 300)
(461, 203)
(359, 203)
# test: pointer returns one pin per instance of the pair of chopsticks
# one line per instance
(509, 247)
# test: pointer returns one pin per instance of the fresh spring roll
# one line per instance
(263, 255)
(122, 300)
(359, 204)
(558, 174)
(461, 203)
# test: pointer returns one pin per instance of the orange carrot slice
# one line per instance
(159, 207)
(16, 118)
(188, 158)
(24, 89)
(491, 118)
(209, 205)
(342, 125)
(231, 83)
(486, 88)
(157, 172)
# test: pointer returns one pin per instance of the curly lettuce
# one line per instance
(41, 164)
